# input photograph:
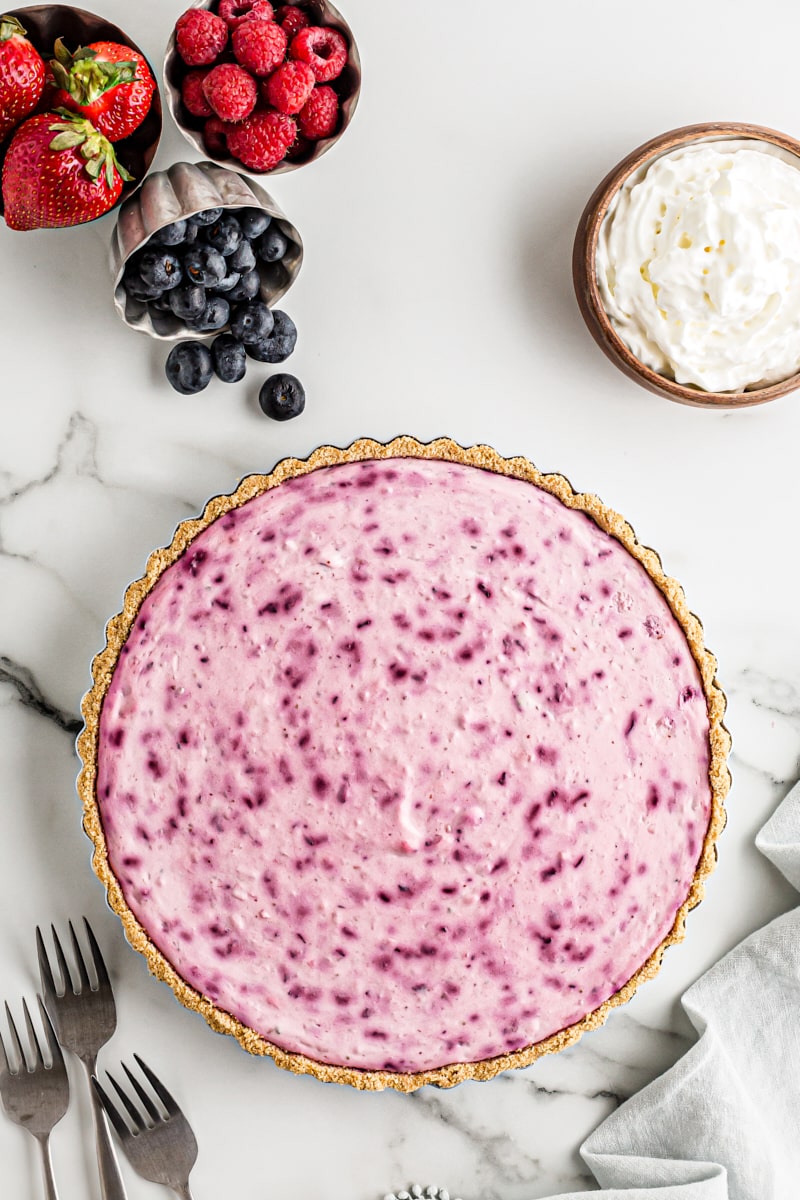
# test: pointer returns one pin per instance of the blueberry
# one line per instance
(188, 301)
(159, 268)
(254, 222)
(189, 367)
(243, 259)
(174, 234)
(208, 217)
(214, 316)
(279, 344)
(247, 288)
(251, 322)
(272, 245)
(192, 234)
(161, 303)
(230, 360)
(282, 397)
(138, 291)
(230, 281)
(225, 234)
(204, 264)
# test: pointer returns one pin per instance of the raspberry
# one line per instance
(300, 149)
(200, 36)
(320, 114)
(193, 96)
(236, 12)
(288, 88)
(215, 134)
(292, 19)
(323, 49)
(259, 46)
(231, 91)
(261, 141)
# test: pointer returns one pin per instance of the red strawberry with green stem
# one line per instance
(59, 171)
(22, 75)
(109, 84)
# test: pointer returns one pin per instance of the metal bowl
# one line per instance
(347, 87)
(179, 192)
(46, 22)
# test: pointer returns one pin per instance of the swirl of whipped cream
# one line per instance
(698, 264)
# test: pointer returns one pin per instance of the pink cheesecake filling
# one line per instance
(405, 763)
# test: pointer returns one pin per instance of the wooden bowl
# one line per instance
(584, 268)
(46, 22)
(347, 87)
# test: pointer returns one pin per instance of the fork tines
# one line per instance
(57, 990)
(22, 1060)
(137, 1119)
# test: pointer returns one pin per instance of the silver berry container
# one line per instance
(347, 87)
(172, 195)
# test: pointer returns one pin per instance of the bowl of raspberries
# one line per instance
(80, 116)
(261, 86)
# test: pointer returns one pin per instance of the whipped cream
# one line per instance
(698, 264)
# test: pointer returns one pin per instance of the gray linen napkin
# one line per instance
(724, 1122)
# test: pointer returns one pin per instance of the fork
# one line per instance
(84, 1018)
(37, 1096)
(159, 1142)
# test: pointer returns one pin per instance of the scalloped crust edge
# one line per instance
(118, 628)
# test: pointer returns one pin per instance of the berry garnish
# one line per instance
(252, 322)
(205, 265)
(292, 19)
(320, 115)
(200, 36)
(193, 96)
(259, 46)
(230, 359)
(231, 91)
(262, 139)
(279, 343)
(272, 245)
(236, 12)
(189, 367)
(323, 48)
(282, 397)
(289, 87)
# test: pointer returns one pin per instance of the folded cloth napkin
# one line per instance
(724, 1122)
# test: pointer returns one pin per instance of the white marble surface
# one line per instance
(435, 298)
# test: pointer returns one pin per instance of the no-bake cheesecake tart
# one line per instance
(404, 764)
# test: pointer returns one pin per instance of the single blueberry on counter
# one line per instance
(279, 343)
(252, 322)
(188, 301)
(254, 222)
(272, 245)
(189, 367)
(282, 397)
(230, 360)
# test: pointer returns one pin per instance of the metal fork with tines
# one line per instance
(156, 1137)
(84, 1017)
(35, 1096)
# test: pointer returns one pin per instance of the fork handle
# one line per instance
(111, 1185)
(47, 1169)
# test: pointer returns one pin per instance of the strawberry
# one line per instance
(59, 171)
(22, 73)
(107, 83)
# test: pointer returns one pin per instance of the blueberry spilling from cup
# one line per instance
(204, 271)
